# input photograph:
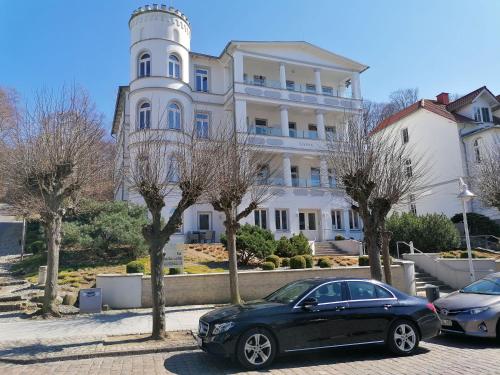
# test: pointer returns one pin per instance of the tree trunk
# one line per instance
(386, 237)
(233, 260)
(156, 261)
(371, 236)
(53, 230)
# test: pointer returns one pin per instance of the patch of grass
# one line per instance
(202, 268)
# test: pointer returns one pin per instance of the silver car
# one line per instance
(473, 310)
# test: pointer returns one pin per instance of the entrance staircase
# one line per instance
(422, 278)
(327, 248)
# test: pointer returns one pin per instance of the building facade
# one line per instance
(291, 97)
(453, 138)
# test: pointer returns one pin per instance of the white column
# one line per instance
(282, 76)
(317, 81)
(356, 87)
(320, 123)
(347, 229)
(284, 120)
(241, 115)
(323, 173)
(287, 170)
(238, 67)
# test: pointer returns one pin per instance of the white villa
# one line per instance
(290, 96)
(454, 138)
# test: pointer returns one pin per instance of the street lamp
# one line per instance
(465, 196)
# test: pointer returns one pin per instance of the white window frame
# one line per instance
(476, 145)
(176, 124)
(144, 116)
(204, 84)
(331, 132)
(204, 123)
(413, 205)
(144, 65)
(408, 167)
(258, 214)
(311, 88)
(405, 135)
(259, 80)
(487, 110)
(315, 182)
(280, 222)
(354, 220)
(174, 66)
(477, 114)
(337, 219)
(198, 215)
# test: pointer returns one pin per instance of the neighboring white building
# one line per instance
(290, 95)
(453, 138)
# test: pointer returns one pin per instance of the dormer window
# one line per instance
(486, 114)
(482, 114)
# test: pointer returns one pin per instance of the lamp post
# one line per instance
(465, 196)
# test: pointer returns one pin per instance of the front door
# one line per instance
(309, 223)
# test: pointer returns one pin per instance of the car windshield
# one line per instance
(484, 286)
(290, 292)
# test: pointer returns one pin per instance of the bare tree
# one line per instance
(8, 115)
(375, 172)
(242, 183)
(402, 98)
(179, 170)
(52, 156)
(488, 173)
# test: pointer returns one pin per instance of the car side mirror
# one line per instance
(309, 302)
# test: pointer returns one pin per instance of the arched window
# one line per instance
(174, 67)
(174, 116)
(409, 170)
(145, 116)
(144, 65)
(477, 150)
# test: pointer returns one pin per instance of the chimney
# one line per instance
(443, 98)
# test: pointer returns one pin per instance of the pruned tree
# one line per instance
(52, 156)
(374, 169)
(488, 175)
(178, 170)
(8, 115)
(242, 183)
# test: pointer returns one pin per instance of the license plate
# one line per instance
(199, 341)
(446, 322)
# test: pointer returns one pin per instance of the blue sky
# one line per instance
(433, 45)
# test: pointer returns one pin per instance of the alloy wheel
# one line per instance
(405, 337)
(257, 349)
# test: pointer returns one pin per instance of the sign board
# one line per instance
(173, 256)
(90, 300)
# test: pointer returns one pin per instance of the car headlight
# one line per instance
(222, 327)
(478, 310)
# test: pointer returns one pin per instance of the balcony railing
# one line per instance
(299, 87)
(276, 131)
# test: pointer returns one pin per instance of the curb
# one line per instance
(72, 357)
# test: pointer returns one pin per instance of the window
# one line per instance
(311, 218)
(260, 217)
(204, 221)
(174, 116)
(307, 221)
(327, 90)
(201, 79)
(263, 175)
(406, 137)
(331, 133)
(477, 114)
(310, 87)
(174, 67)
(315, 177)
(260, 126)
(290, 85)
(361, 290)
(313, 131)
(173, 171)
(292, 129)
(259, 80)
(353, 220)
(328, 293)
(336, 219)
(202, 124)
(413, 206)
(302, 221)
(477, 150)
(332, 181)
(294, 170)
(145, 116)
(486, 114)
(409, 171)
(144, 69)
(281, 218)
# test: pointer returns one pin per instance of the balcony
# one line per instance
(299, 87)
(276, 131)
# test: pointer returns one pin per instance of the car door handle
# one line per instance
(387, 306)
(340, 308)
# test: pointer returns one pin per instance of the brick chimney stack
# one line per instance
(443, 98)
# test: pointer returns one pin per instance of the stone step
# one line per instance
(425, 278)
(12, 282)
(12, 306)
(11, 298)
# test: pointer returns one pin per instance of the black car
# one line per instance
(316, 314)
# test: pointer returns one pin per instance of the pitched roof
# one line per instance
(427, 104)
(467, 99)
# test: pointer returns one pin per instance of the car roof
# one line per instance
(321, 280)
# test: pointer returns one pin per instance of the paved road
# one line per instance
(15, 327)
(443, 355)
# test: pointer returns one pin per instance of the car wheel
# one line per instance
(256, 349)
(403, 337)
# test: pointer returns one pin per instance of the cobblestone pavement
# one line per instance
(442, 355)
